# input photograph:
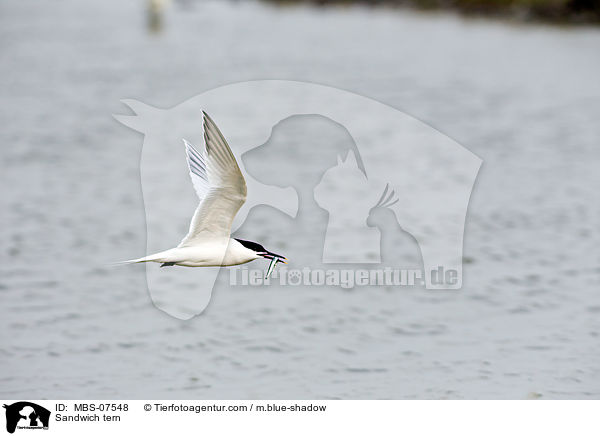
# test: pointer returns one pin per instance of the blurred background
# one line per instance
(520, 90)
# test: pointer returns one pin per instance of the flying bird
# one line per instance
(221, 187)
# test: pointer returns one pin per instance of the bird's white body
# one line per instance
(221, 188)
(211, 252)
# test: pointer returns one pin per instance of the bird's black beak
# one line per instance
(271, 256)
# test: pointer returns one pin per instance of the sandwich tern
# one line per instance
(221, 187)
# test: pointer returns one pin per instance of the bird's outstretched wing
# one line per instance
(219, 184)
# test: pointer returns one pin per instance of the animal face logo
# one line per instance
(26, 415)
(359, 180)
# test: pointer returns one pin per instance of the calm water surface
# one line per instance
(526, 99)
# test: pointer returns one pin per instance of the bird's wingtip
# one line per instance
(207, 119)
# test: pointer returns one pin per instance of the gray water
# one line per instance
(525, 98)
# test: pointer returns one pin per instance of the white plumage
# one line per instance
(221, 188)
